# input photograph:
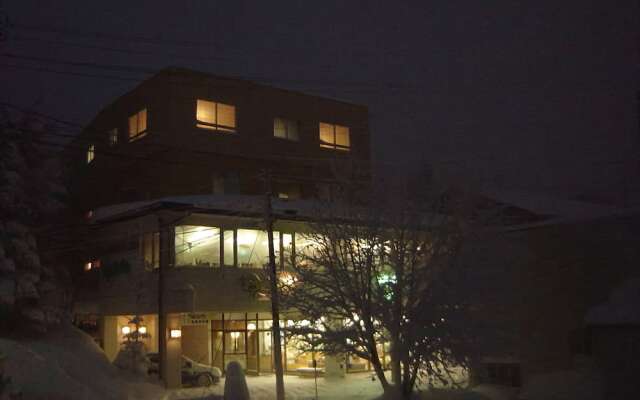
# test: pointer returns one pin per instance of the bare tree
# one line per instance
(386, 272)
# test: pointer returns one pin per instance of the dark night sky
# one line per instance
(537, 96)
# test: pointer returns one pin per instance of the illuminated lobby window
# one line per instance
(253, 249)
(197, 246)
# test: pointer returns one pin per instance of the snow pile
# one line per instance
(584, 383)
(623, 306)
(235, 384)
(67, 364)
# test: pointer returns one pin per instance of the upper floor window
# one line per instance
(285, 129)
(138, 125)
(91, 153)
(215, 116)
(227, 182)
(113, 137)
(334, 137)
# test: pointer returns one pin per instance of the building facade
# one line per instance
(183, 132)
(174, 173)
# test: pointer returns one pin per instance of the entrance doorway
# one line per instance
(242, 337)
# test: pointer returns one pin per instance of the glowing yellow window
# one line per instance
(215, 116)
(138, 125)
(91, 153)
(334, 137)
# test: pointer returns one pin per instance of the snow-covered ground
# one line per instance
(353, 387)
(68, 364)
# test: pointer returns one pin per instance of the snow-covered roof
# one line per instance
(241, 205)
(622, 308)
(543, 204)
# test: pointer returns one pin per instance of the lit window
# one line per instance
(150, 249)
(89, 265)
(138, 125)
(197, 246)
(253, 250)
(215, 116)
(113, 137)
(334, 137)
(91, 153)
(285, 129)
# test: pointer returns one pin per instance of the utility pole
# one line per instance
(162, 313)
(275, 303)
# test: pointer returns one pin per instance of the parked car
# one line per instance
(193, 372)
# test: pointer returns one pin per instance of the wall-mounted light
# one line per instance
(125, 330)
(89, 265)
(175, 333)
(142, 330)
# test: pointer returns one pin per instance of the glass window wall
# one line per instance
(197, 246)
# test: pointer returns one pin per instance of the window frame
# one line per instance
(113, 137)
(216, 126)
(287, 134)
(139, 133)
(153, 240)
(334, 145)
(91, 153)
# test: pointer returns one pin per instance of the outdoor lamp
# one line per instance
(175, 333)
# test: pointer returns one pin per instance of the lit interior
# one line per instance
(197, 246)
(215, 116)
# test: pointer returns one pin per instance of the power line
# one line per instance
(145, 70)
(81, 74)
(111, 36)
(118, 50)
(264, 157)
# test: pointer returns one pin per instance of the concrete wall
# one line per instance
(196, 342)
(188, 290)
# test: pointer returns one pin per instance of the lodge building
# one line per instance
(173, 172)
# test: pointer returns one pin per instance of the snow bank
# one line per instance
(582, 383)
(67, 364)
